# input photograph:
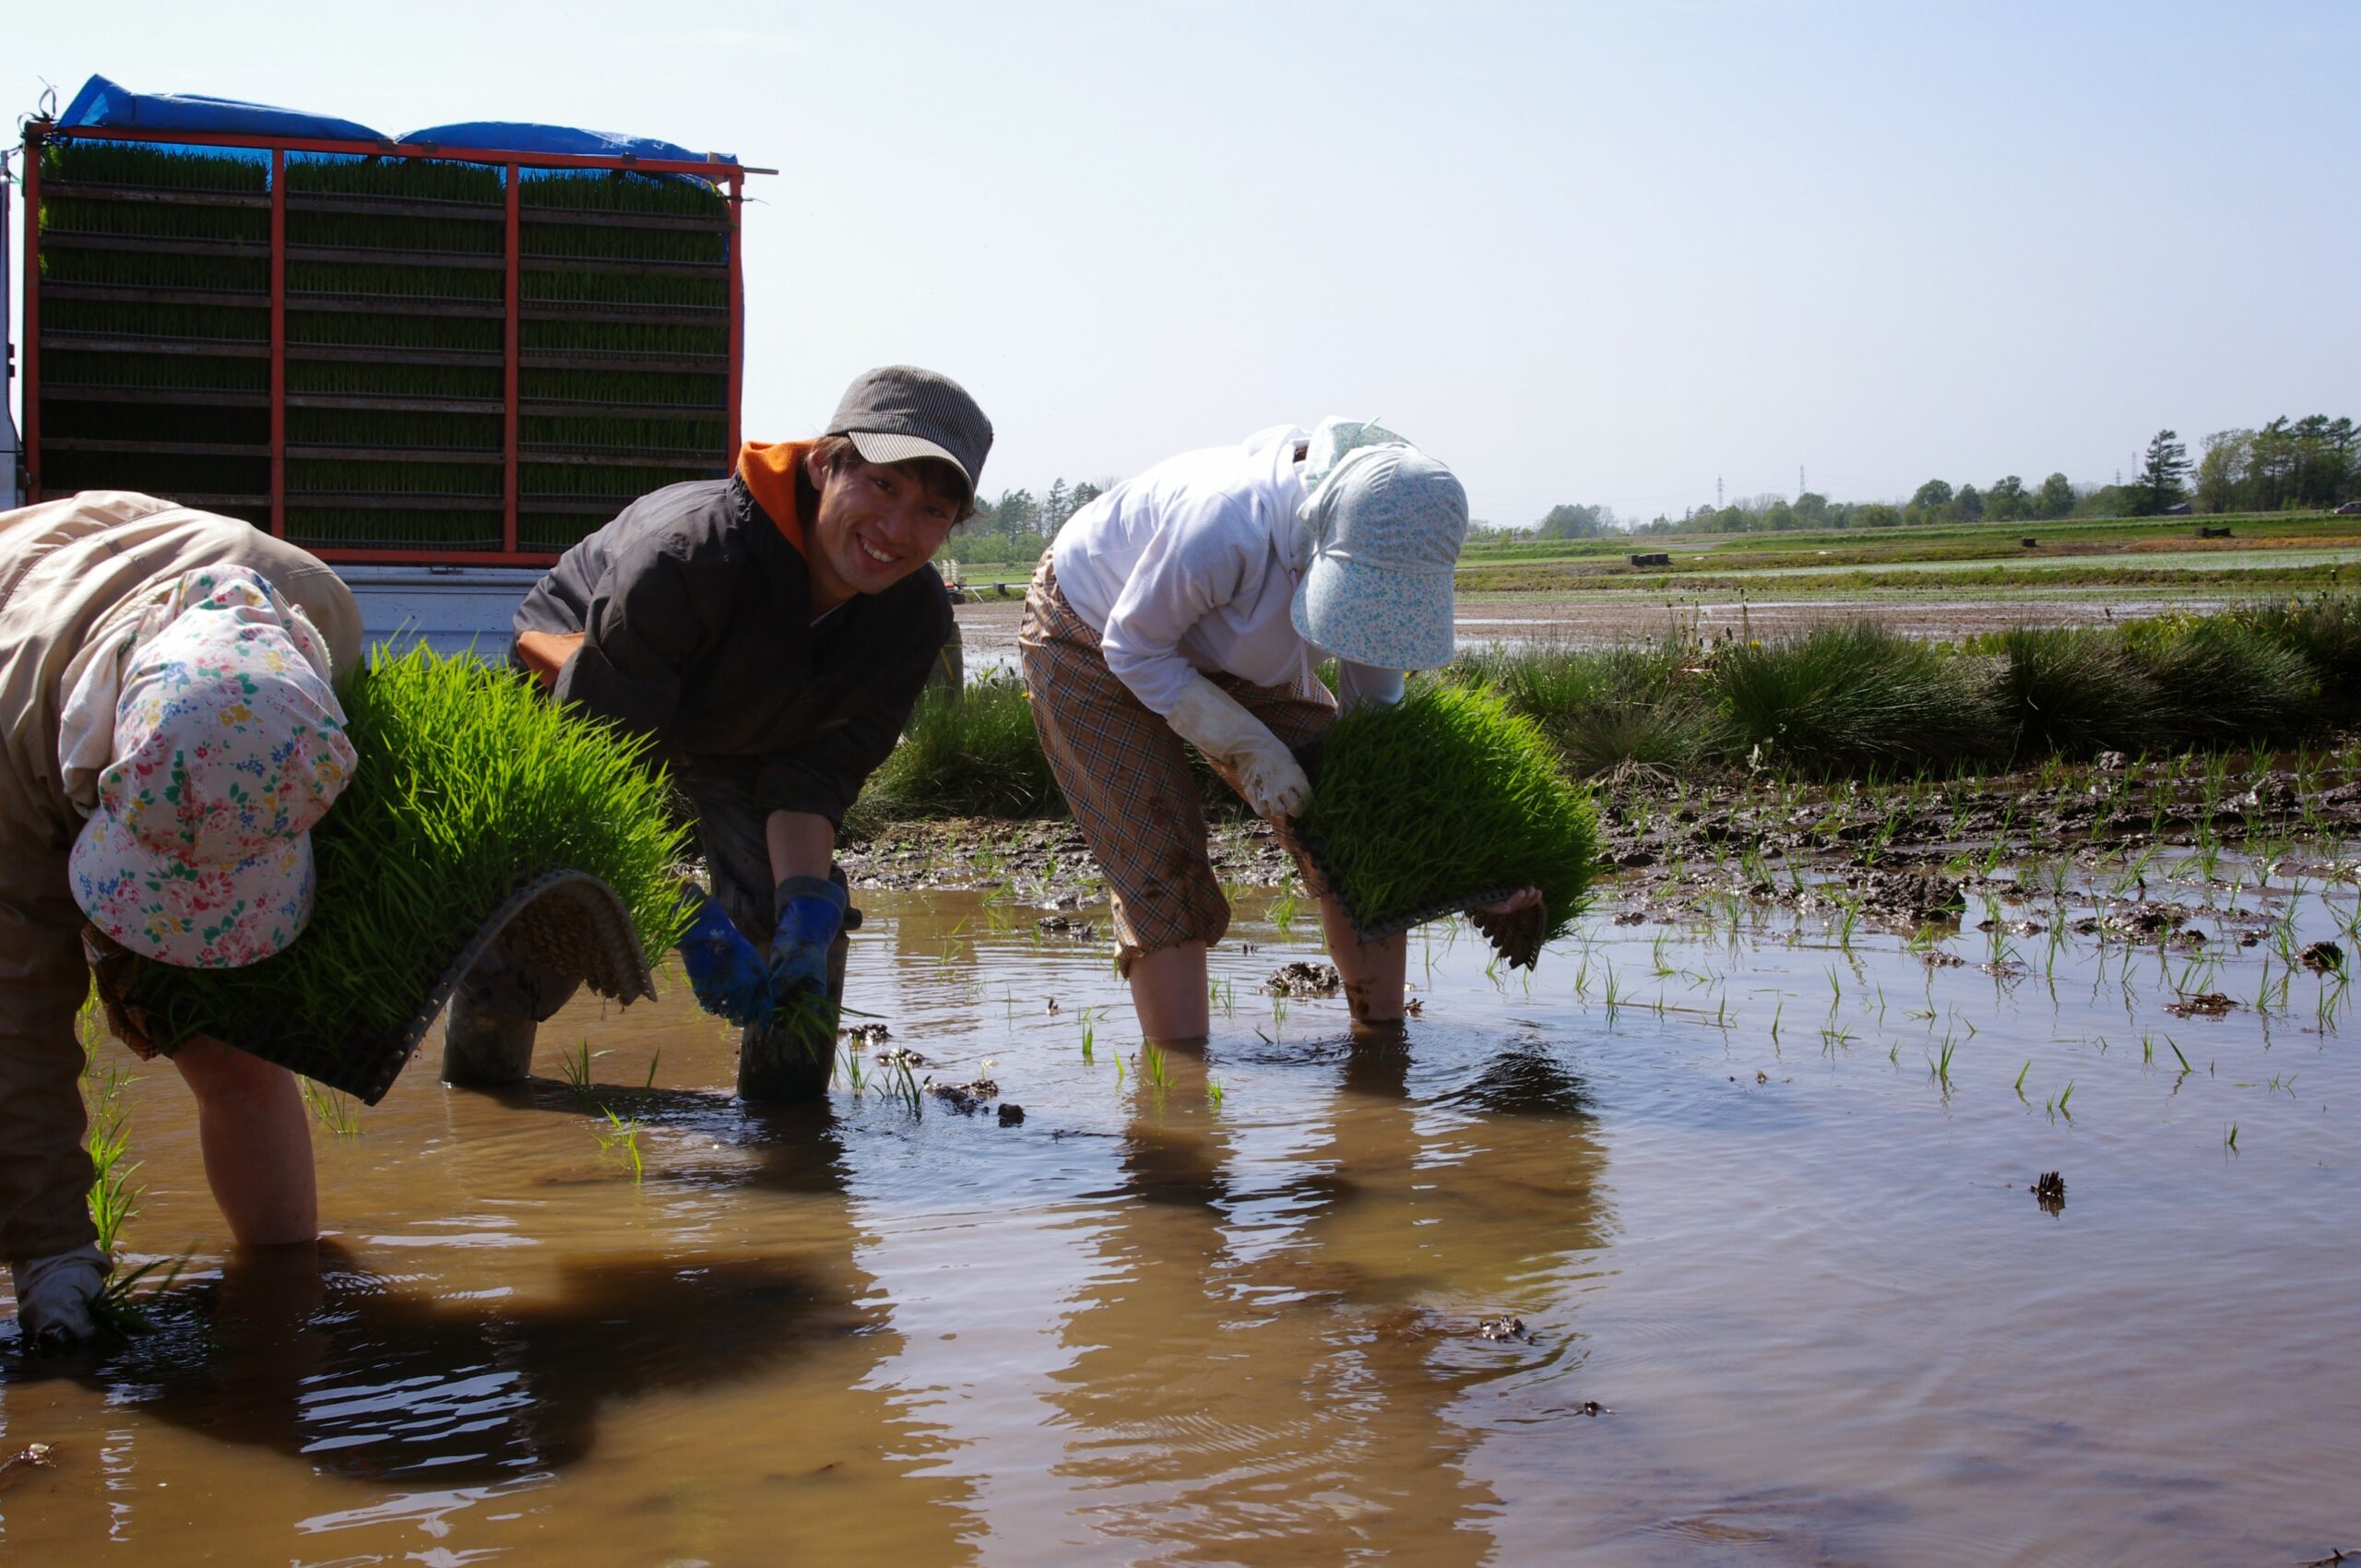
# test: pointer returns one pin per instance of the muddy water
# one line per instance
(1759, 1287)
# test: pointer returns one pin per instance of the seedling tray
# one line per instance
(566, 922)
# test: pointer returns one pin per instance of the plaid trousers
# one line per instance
(1127, 774)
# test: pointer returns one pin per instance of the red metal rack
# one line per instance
(532, 531)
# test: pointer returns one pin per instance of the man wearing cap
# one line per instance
(1193, 603)
(169, 734)
(769, 633)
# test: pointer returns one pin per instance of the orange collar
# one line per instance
(772, 470)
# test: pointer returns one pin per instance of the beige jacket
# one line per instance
(70, 572)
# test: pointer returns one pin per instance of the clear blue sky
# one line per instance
(1589, 252)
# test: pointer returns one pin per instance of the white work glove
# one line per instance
(55, 1293)
(1217, 724)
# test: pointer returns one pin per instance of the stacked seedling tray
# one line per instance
(153, 360)
(379, 352)
(625, 339)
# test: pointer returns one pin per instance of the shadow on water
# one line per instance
(307, 1351)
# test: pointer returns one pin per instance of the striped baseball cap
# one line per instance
(899, 412)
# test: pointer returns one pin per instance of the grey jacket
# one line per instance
(695, 614)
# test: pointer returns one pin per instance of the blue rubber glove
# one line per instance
(811, 911)
(726, 973)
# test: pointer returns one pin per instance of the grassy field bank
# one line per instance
(1851, 699)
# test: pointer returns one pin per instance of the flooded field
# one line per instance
(1772, 1220)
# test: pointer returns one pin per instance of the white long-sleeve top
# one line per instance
(1191, 567)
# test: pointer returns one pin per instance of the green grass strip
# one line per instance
(1415, 805)
(468, 786)
(971, 753)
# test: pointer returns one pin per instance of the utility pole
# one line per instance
(1799, 481)
(1718, 492)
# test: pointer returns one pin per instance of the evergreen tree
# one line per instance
(2161, 475)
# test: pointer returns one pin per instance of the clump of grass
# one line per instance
(2075, 691)
(973, 754)
(2326, 629)
(1606, 707)
(1853, 697)
(1415, 805)
(2223, 681)
(468, 786)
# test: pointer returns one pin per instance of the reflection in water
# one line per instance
(1265, 1370)
(306, 1351)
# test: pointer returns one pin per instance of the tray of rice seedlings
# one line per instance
(480, 819)
(588, 432)
(152, 167)
(1443, 802)
(447, 525)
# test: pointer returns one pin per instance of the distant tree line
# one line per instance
(2304, 465)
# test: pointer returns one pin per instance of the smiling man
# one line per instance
(769, 633)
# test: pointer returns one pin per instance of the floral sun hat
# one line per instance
(1383, 524)
(229, 745)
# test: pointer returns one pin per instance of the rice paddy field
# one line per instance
(1939, 1152)
(155, 341)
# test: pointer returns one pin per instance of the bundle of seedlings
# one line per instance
(1444, 801)
(969, 753)
(477, 812)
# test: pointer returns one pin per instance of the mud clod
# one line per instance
(2204, 1004)
(1010, 1115)
(1504, 1328)
(868, 1034)
(2322, 957)
(966, 1098)
(2050, 1191)
(1304, 980)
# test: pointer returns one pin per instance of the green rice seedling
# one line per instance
(1856, 696)
(333, 1109)
(564, 335)
(134, 318)
(407, 428)
(75, 367)
(653, 1059)
(673, 292)
(346, 378)
(1154, 1068)
(229, 276)
(692, 436)
(1416, 804)
(1941, 1065)
(622, 191)
(607, 480)
(377, 330)
(343, 476)
(386, 279)
(113, 1199)
(1213, 1093)
(575, 1067)
(152, 167)
(325, 526)
(974, 754)
(1282, 910)
(2231, 1141)
(551, 240)
(467, 786)
(397, 178)
(406, 235)
(2020, 1085)
(681, 389)
(619, 1140)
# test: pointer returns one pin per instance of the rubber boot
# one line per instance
(494, 1014)
(484, 1047)
(784, 1065)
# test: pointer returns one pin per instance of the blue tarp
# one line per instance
(105, 105)
(517, 136)
(102, 106)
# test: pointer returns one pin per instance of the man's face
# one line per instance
(874, 526)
